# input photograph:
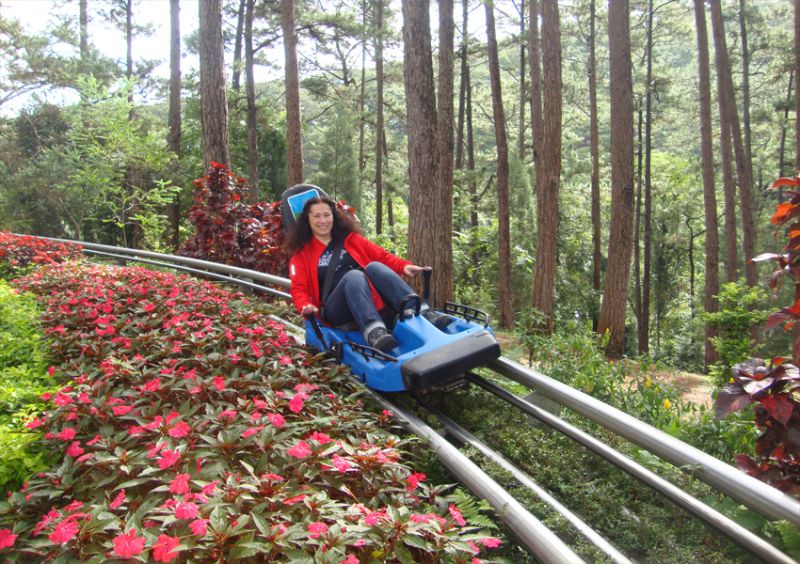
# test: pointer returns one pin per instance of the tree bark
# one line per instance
(213, 98)
(710, 301)
(549, 175)
(522, 48)
(784, 126)
(362, 125)
(594, 144)
(797, 84)
(743, 173)
(536, 82)
(503, 234)
(462, 88)
(745, 87)
(421, 116)
(174, 135)
(644, 326)
(612, 309)
(250, 88)
(442, 284)
(237, 45)
(380, 146)
(83, 15)
(294, 142)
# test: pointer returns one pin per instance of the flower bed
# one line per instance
(20, 253)
(193, 428)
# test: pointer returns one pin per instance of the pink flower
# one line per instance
(119, 500)
(251, 431)
(490, 542)
(456, 514)
(181, 429)
(321, 438)
(209, 488)
(74, 506)
(276, 419)
(219, 383)
(94, 440)
(414, 480)
(317, 529)
(349, 560)
(341, 463)
(67, 434)
(63, 532)
(152, 385)
(373, 517)
(7, 538)
(180, 484)
(300, 450)
(198, 527)
(186, 510)
(228, 414)
(74, 449)
(272, 477)
(162, 549)
(297, 402)
(122, 409)
(128, 544)
(168, 458)
(286, 360)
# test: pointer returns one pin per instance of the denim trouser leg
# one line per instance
(351, 300)
(389, 285)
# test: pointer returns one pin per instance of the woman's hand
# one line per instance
(413, 269)
(310, 310)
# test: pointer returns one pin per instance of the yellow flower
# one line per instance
(648, 382)
(667, 403)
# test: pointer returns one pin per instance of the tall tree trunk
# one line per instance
(745, 87)
(473, 183)
(522, 47)
(536, 82)
(549, 176)
(380, 140)
(443, 260)
(784, 126)
(421, 112)
(729, 191)
(644, 327)
(462, 89)
(362, 122)
(83, 15)
(250, 87)
(174, 135)
(743, 173)
(797, 85)
(594, 143)
(503, 212)
(612, 310)
(213, 98)
(237, 45)
(637, 219)
(710, 301)
(294, 141)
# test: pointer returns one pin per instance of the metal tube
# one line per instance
(531, 532)
(189, 270)
(728, 527)
(464, 436)
(753, 493)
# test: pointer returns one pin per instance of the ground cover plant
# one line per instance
(191, 427)
(20, 253)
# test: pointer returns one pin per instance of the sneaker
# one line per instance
(380, 338)
(439, 320)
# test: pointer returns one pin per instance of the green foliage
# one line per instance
(740, 308)
(338, 167)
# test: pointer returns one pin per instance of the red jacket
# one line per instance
(304, 274)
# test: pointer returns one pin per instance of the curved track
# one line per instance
(535, 536)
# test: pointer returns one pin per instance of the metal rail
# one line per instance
(755, 494)
(751, 492)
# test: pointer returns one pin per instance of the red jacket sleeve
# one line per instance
(301, 290)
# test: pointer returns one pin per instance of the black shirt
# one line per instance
(345, 265)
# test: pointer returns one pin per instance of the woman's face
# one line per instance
(320, 218)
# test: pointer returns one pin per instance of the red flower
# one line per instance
(317, 529)
(295, 499)
(128, 544)
(297, 402)
(456, 514)
(119, 500)
(209, 488)
(285, 360)
(168, 458)
(152, 385)
(67, 434)
(490, 542)
(276, 419)
(251, 431)
(122, 409)
(186, 510)
(63, 532)
(7, 538)
(181, 429)
(74, 449)
(321, 438)
(414, 479)
(180, 485)
(94, 440)
(162, 549)
(198, 527)
(219, 383)
(300, 450)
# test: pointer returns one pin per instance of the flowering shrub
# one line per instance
(231, 231)
(19, 253)
(193, 428)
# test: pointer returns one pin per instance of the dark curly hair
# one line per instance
(343, 224)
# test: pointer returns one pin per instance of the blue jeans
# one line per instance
(350, 300)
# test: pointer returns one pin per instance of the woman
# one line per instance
(366, 278)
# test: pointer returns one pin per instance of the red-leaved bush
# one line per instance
(774, 389)
(19, 253)
(229, 230)
(192, 428)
